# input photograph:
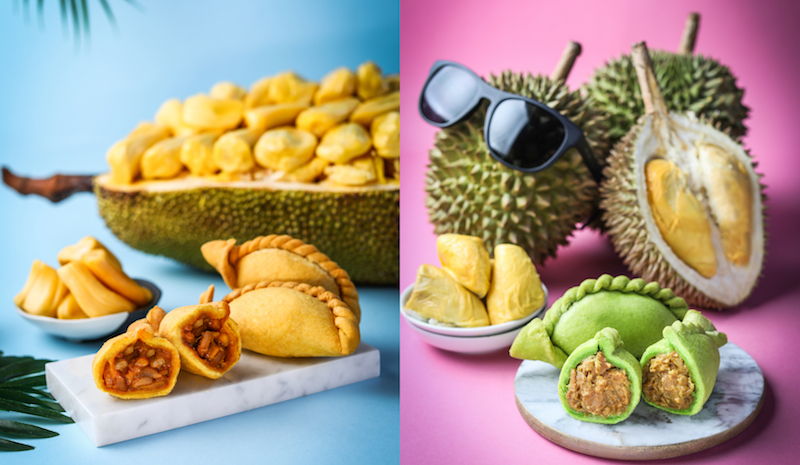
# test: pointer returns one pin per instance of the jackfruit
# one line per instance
(76, 251)
(385, 131)
(358, 172)
(197, 153)
(69, 309)
(233, 151)
(43, 291)
(125, 156)
(338, 84)
(227, 91)
(285, 149)
(101, 265)
(258, 94)
(308, 172)
(344, 143)
(94, 298)
(163, 159)
(321, 118)
(203, 112)
(368, 110)
(271, 116)
(288, 87)
(369, 81)
(170, 114)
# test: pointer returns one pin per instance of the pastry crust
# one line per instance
(279, 258)
(288, 319)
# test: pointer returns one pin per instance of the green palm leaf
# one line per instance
(77, 13)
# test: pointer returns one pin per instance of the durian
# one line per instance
(683, 203)
(468, 192)
(688, 83)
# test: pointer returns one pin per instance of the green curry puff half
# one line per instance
(279, 258)
(206, 337)
(137, 364)
(600, 382)
(286, 319)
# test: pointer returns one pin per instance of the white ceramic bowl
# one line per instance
(85, 329)
(478, 340)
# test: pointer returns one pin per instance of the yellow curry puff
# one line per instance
(279, 258)
(287, 319)
(137, 364)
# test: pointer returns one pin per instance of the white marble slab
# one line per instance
(733, 405)
(256, 381)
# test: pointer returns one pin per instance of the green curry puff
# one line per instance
(206, 337)
(286, 319)
(600, 382)
(279, 258)
(137, 364)
(680, 370)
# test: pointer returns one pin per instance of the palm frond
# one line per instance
(75, 14)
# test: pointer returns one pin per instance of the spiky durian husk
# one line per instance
(689, 83)
(626, 225)
(470, 193)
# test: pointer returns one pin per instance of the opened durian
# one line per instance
(468, 192)
(688, 82)
(683, 204)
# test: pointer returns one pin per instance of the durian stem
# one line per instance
(55, 188)
(689, 34)
(564, 66)
(651, 93)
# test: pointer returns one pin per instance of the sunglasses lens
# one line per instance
(524, 135)
(448, 94)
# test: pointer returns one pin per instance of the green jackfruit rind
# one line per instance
(608, 341)
(689, 83)
(357, 230)
(468, 192)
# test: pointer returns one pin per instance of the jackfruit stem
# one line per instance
(651, 93)
(689, 34)
(564, 66)
(55, 188)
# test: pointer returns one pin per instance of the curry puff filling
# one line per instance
(209, 338)
(138, 368)
(667, 382)
(597, 387)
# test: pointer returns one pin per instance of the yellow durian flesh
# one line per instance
(369, 81)
(76, 251)
(321, 118)
(344, 143)
(337, 84)
(288, 87)
(680, 216)
(285, 149)
(92, 296)
(233, 151)
(730, 198)
(203, 112)
(163, 159)
(371, 109)
(439, 297)
(357, 172)
(516, 289)
(466, 260)
(227, 91)
(308, 172)
(69, 309)
(124, 157)
(43, 291)
(385, 131)
(197, 153)
(272, 116)
(104, 269)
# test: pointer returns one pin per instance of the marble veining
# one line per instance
(736, 394)
(256, 381)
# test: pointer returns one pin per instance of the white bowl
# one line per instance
(85, 329)
(477, 340)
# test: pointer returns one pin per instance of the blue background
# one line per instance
(62, 105)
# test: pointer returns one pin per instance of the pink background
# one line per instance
(460, 409)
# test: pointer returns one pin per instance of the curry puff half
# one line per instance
(137, 364)
(279, 258)
(287, 319)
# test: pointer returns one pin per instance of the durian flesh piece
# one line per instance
(438, 296)
(466, 260)
(516, 289)
(338, 84)
(344, 143)
(285, 149)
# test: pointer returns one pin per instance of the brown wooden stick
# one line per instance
(564, 66)
(651, 93)
(55, 188)
(689, 34)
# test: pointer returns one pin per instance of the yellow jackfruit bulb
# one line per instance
(338, 84)
(124, 157)
(370, 109)
(320, 119)
(75, 252)
(92, 296)
(69, 309)
(197, 153)
(344, 143)
(369, 81)
(43, 291)
(465, 259)
(308, 172)
(258, 94)
(680, 217)
(438, 296)
(163, 159)
(285, 149)
(170, 114)
(103, 268)
(272, 116)
(288, 87)
(203, 112)
(233, 151)
(385, 131)
(730, 198)
(516, 289)
(393, 82)
(358, 172)
(380, 169)
(227, 91)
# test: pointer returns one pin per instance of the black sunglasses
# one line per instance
(521, 133)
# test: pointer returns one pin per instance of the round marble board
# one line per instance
(649, 433)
